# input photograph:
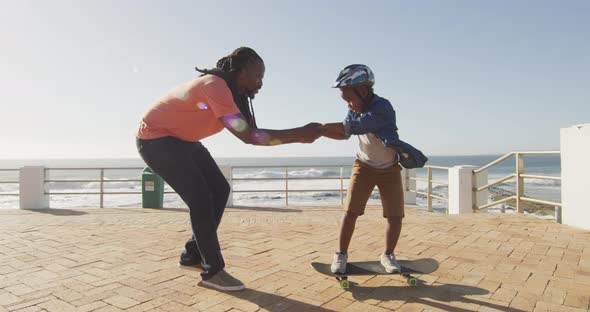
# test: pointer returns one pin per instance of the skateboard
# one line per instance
(408, 267)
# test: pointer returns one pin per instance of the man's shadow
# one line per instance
(253, 208)
(445, 293)
(267, 209)
(272, 302)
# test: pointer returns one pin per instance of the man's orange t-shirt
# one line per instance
(190, 112)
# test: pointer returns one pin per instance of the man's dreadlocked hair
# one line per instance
(226, 67)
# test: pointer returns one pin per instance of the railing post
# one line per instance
(286, 186)
(230, 198)
(558, 214)
(480, 198)
(341, 185)
(474, 204)
(519, 182)
(409, 186)
(429, 197)
(228, 173)
(101, 188)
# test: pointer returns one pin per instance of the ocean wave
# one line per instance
(281, 194)
(260, 175)
(306, 173)
(258, 196)
(311, 173)
(108, 184)
(325, 194)
(8, 188)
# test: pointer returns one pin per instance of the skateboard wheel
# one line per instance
(344, 284)
(412, 281)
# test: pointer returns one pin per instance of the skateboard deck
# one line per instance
(408, 267)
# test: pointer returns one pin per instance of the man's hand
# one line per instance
(311, 132)
(334, 131)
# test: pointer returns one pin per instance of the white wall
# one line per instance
(575, 175)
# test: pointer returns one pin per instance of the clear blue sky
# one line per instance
(465, 77)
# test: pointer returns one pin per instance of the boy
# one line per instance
(372, 119)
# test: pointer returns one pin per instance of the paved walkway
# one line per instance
(126, 259)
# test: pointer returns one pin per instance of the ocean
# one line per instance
(321, 189)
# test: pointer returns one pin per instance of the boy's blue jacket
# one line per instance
(379, 119)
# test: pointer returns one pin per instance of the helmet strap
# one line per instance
(365, 99)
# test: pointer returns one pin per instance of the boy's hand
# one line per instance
(311, 132)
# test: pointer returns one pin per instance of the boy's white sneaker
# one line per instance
(389, 263)
(339, 263)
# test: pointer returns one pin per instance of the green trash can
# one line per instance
(152, 189)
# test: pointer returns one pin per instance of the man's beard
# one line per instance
(252, 93)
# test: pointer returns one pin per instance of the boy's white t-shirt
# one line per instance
(374, 153)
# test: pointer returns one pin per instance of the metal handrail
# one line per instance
(439, 197)
(437, 167)
(504, 179)
(531, 176)
(281, 179)
(433, 181)
(530, 153)
(494, 162)
(286, 178)
(503, 200)
(9, 182)
(102, 192)
(101, 180)
(92, 180)
(429, 195)
(288, 166)
(520, 182)
(538, 201)
(92, 193)
(94, 168)
(290, 190)
(538, 153)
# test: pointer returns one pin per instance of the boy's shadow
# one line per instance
(445, 293)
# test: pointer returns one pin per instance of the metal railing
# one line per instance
(101, 193)
(9, 182)
(520, 177)
(286, 178)
(428, 194)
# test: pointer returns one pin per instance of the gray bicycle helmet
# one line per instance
(355, 75)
